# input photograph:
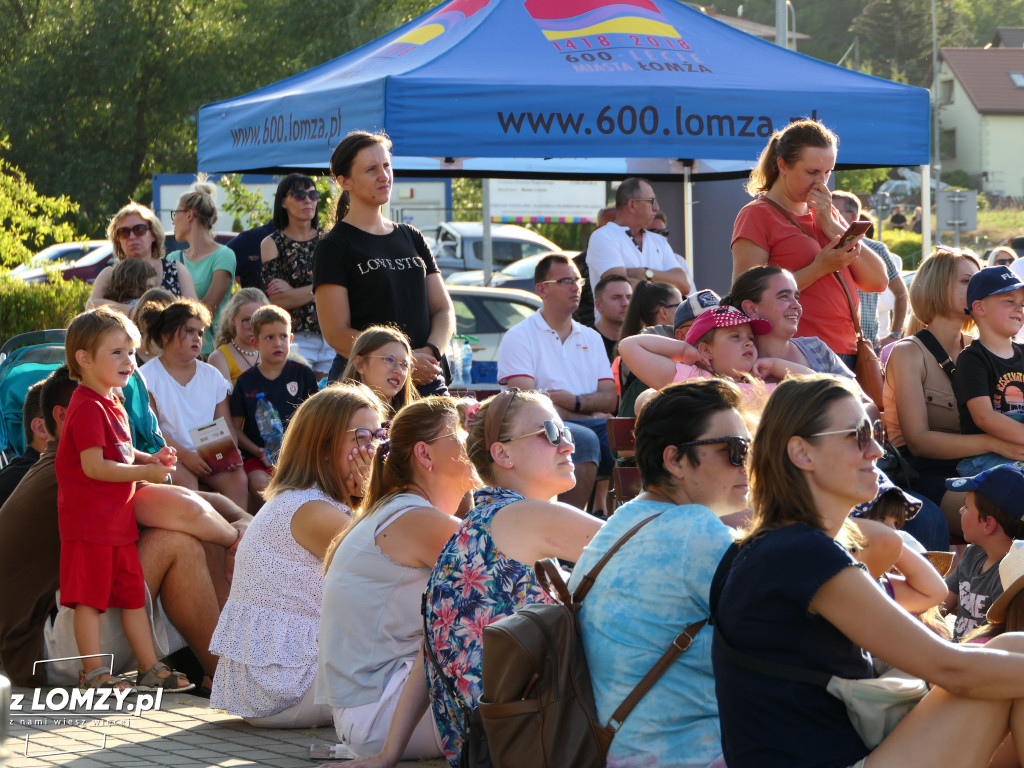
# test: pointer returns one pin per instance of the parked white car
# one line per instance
(458, 245)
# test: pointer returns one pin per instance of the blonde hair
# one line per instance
(477, 446)
(243, 296)
(313, 439)
(779, 492)
(201, 199)
(392, 470)
(931, 291)
(372, 339)
(86, 332)
(787, 144)
(144, 213)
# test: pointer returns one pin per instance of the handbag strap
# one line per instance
(588, 581)
(932, 345)
(849, 297)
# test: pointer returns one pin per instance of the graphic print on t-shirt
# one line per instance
(1009, 394)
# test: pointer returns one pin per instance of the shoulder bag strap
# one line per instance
(932, 345)
(789, 216)
(588, 581)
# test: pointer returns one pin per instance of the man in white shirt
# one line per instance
(551, 352)
(626, 248)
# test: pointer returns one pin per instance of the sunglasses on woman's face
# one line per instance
(138, 230)
(553, 433)
(866, 431)
(302, 194)
(738, 447)
(1003, 262)
(367, 437)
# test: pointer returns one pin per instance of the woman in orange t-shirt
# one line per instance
(792, 224)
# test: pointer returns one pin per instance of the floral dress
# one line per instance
(170, 280)
(472, 585)
(294, 265)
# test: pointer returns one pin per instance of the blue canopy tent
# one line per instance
(500, 87)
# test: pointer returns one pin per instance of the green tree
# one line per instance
(861, 181)
(28, 219)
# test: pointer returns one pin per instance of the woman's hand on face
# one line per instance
(359, 462)
(425, 368)
(277, 285)
(819, 200)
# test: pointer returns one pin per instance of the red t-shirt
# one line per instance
(91, 510)
(826, 308)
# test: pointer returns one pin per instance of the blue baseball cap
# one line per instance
(989, 282)
(1002, 485)
(695, 305)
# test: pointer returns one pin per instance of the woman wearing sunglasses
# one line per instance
(522, 452)
(691, 449)
(382, 360)
(371, 636)
(136, 233)
(287, 273)
(267, 634)
(793, 597)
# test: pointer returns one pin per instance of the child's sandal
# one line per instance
(88, 680)
(172, 683)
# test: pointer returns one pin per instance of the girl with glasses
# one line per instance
(794, 598)
(519, 448)
(287, 257)
(135, 233)
(372, 634)
(382, 360)
(691, 450)
(267, 633)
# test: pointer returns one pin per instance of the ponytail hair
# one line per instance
(163, 322)
(344, 155)
(648, 298)
(787, 144)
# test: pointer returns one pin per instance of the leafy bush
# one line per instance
(28, 307)
(906, 245)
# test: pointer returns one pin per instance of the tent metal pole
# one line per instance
(488, 253)
(688, 220)
(780, 23)
(926, 211)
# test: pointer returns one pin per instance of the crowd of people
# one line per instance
(334, 559)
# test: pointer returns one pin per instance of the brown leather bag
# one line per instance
(537, 704)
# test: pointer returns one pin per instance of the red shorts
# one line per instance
(256, 465)
(101, 576)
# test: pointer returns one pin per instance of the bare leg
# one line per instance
(225, 507)
(135, 624)
(258, 482)
(951, 503)
(175, 568)
(586, 474)
(87, 637)
(215, 563)
(183, 477)
(230, 483)
(176, 509)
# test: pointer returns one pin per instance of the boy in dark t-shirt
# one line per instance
(992, 519)
(284, 383)
(989, 378)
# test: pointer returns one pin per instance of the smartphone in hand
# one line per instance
(855, 230)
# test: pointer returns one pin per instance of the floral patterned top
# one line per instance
(294, 265)
(472, 585)
(170, 280)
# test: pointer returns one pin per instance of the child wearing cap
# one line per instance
(720, 342)
(989, 378)
(992, 521)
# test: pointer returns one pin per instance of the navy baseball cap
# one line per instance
(1002, 485)
(694, 305)
(989, 282)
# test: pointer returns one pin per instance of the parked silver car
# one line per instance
(458, 245)
(485, 314)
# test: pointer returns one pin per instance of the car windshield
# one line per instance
(523, 268)
(508, 313)
(508, 251)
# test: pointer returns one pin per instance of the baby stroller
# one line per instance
(24, 360)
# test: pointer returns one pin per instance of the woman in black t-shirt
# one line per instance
(369, 270)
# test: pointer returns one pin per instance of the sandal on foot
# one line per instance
(172, 683)
(87, 680)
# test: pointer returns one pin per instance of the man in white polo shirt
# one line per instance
(553, 353)
(625, 247)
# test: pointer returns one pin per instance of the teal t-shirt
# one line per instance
(202, 275)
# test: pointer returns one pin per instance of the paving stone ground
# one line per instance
(183, 733)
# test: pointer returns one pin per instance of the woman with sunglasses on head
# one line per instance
(369, 270)
(382, 359)
(796, 598)
(287, 257)
(136, 233)
(521, 450)
(1002, 256)
(377, 569)
(267, 634)
(691, 450)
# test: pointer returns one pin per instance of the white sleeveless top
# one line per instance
(371, 613)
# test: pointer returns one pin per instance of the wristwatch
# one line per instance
(579, 404)
(649, 273)
(896, 334)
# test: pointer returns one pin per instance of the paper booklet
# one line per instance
(215, 445)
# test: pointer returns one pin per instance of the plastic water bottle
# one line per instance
(467, 362)
(268, 421)
(458, 350)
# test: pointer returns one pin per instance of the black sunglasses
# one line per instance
(138, 230)
(866, 431)
(551, 431)
(739, 447)
(302, 194)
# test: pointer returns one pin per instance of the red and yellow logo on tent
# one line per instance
(566, 19)
(446, 18)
